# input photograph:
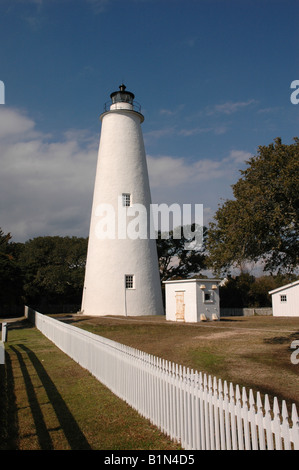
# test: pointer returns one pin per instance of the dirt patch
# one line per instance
(220, 335)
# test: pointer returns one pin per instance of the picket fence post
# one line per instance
(190, 407)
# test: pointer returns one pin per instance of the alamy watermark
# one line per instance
(136, 221)
(2, 92)
(295, 354)
(295, 94)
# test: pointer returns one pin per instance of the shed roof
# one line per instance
(192, 280)
(286, 286)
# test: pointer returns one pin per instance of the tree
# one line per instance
(53, 269)
(247, 291)
(10, 275)
(235, 292)
(177, 258)
(261, 222)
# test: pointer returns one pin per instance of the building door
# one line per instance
(180, 306)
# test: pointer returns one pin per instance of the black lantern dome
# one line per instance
(122, 95)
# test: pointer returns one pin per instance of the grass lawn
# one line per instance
(254, 352)
(52, 403)
(48, 402)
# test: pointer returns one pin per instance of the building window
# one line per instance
(126, 197)
(129, 280)
(208, 296)
(283, 298)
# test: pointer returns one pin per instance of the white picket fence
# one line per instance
(191, 408)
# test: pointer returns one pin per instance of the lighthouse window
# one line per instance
(126, 199)
(129, 281)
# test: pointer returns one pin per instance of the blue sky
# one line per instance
(212, 76)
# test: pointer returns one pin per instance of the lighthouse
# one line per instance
(122, 273)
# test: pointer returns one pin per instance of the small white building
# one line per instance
(192, 300)
(285, 300)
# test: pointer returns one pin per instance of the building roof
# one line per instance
(192, 280)
(287, 286)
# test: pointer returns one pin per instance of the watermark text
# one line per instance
(2, 92)
(295, 354)
(295, 94)
(137, 222)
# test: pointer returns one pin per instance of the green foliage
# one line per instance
(10, 273)
(53, 269)
(176, 258)
(50, 270)
(261, 222)
(44, 270)
(247, 291)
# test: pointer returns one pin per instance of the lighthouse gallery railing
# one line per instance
(191, 408)
(135, 105)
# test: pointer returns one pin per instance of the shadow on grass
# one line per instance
(69, 426)
(282, 339)
(20, 324)
(230, 319)
(8, 409)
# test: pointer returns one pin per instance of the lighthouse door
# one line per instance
(180, 306)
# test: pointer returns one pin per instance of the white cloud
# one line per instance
(13, 122)
(47, 183)
(98, 5)
(203, 130)
(170, 171)
(158, 133)
(230, 107)
(190, 42)
(172, 112)
(195, 131)
(272, 109)
(185, 132)
(238, 156)
(205, 181)
(168, 112)
(46, 187)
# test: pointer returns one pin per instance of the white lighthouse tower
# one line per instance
(122, 274)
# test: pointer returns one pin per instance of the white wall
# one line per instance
(193, 299)
(291, 306)
(189, 289)
(121, 169)
(208, 308)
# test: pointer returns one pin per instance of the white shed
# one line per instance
(192, 300)
(285, 300)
